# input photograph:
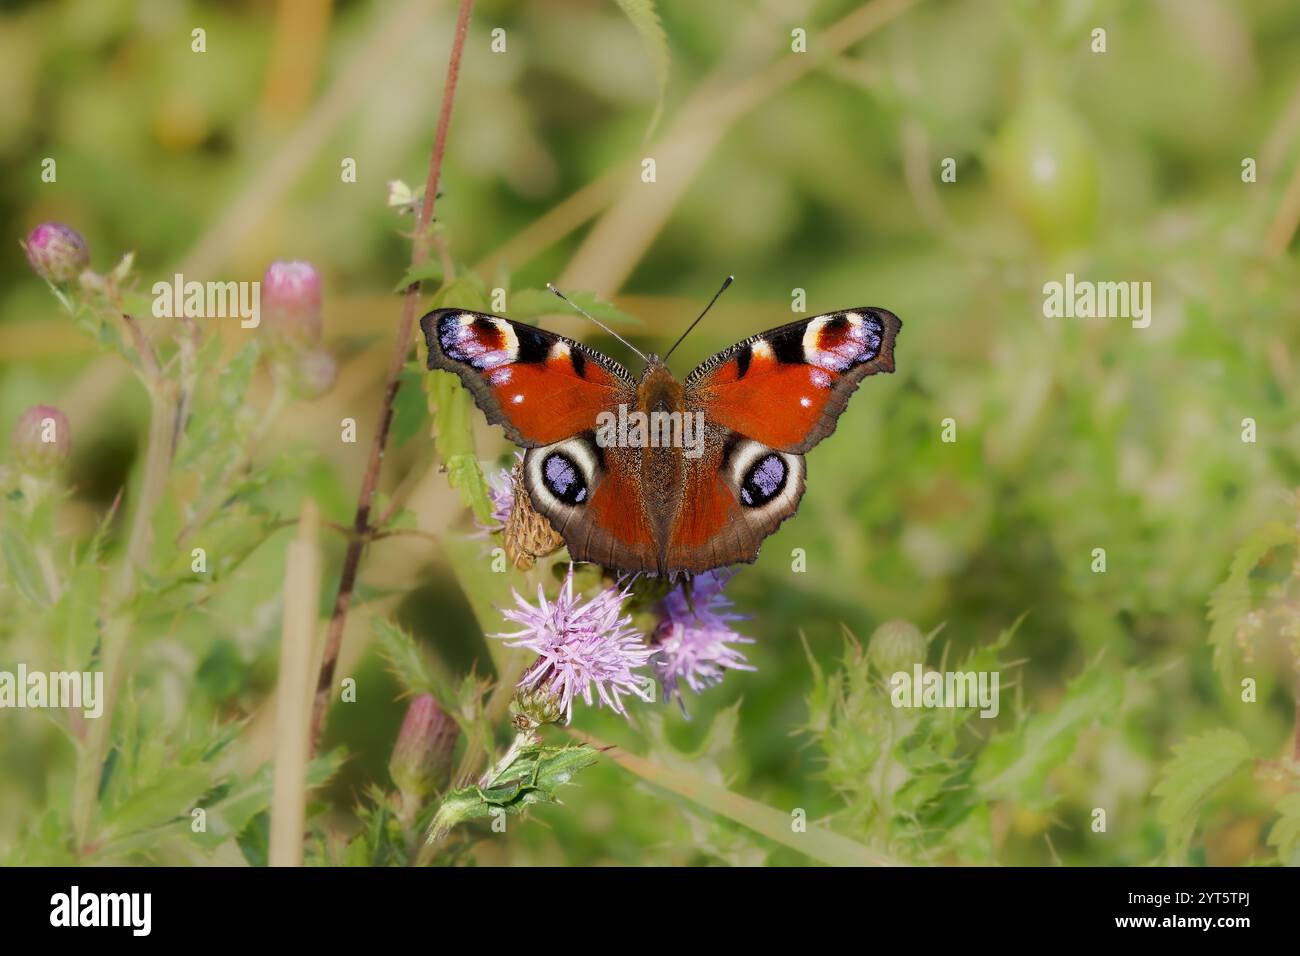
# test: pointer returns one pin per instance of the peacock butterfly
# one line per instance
(652, 474)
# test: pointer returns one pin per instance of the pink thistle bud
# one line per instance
(291, 303)
(42, 440)
(56, 252)
(423, 753)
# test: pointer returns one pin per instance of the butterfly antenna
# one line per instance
(598, 322)
(725, 283)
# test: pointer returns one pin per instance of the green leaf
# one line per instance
(466, 476)
(408, 664)
(1199, 767)
(76, 617)
(530, 303)
(229, 816)
(466, 291)
(646, 21)
(452, 409)
(410, 409)
(532, 778)
(1230, 601)
(174, 794)
(1285, 834)
(21, 559)
(822, 845)
(1015, 765)
(428, 270)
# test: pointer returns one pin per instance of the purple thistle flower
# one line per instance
(501, 492)
(692, 644)
(580, 645)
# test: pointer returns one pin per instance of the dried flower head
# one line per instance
(581, 645)
(57, 252)
(692, 642)
(528, 535)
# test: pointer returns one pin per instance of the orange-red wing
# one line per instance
(787, 387)
(539, 386)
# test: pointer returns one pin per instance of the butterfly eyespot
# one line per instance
(564, 479)
(764, 480)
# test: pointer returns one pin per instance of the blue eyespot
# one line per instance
(764, 481)
(563, 479)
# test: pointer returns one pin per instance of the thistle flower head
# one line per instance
(582, 645)
(291, 303)
(896, 646)
(423, 753)
(693, 640)
(501, 492)
(42, 440)
(56, 252)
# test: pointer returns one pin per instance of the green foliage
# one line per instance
(1285, 835)
(1198, 767)
(644, 17)
(531, 777)
(1232, 600)
(1016, 765)
(920, 781)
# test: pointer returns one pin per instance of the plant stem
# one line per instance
(1287, 218)
(117, 629)
(269, 416)
(401, 346)
(293, 695)
(523, 738)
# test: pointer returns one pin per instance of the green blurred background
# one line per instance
(818, 172)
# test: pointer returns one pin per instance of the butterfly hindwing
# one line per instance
(592, 497)
(786, 387)
(733, 497)
(541, 387)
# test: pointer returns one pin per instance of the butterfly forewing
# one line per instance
(786, 387)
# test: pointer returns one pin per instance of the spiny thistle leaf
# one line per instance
(407, 663)
(532, 777)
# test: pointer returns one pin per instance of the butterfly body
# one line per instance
(657, 474)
